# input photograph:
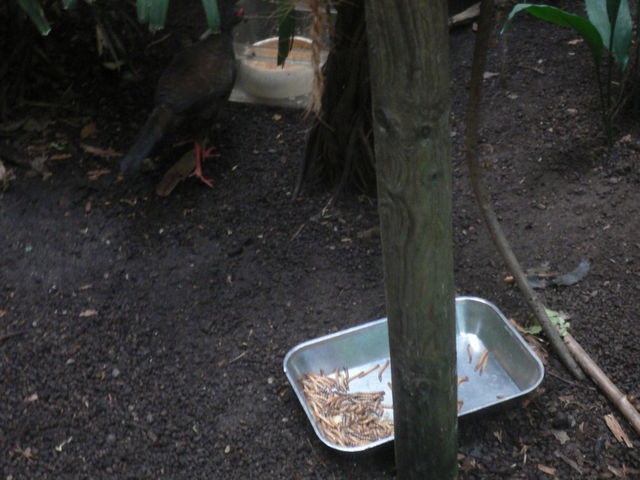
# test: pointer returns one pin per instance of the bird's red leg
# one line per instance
(201, 154)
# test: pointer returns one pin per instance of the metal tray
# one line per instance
(512, 368)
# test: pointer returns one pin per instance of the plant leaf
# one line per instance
(600, 15)
(69, 4)
(212, 12)
(36, 14)
(559, 320)
(157, 14)
(142, 10)
(581, 25)
(286, 27)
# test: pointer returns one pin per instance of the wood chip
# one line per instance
(96, 174)
(617, 430)
(99, 152)
(547, 470)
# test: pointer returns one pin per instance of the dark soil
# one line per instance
(143, 337)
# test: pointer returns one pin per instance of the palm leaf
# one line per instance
(34, 10)
(579, 24)
(212, 12)
(286, 29)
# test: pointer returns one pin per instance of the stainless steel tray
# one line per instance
(511, 369)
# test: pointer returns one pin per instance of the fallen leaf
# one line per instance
(100, 152)
(89, 313)
(176, 174)
(575, 41)
(547, 470)
(488, 75)
(617, 430)
(276, 117)
(31, 398)
(89, 130)
(561, 436)
(2, 313)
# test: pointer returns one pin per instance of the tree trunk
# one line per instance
(408, 47)
(338, 150)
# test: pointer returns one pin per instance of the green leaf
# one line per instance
(612, 10)
(142, 10)
(533, 330)
(36, 14)
(581, 25)
(286, 27)
(157, 14)
(601, 14)
(212, 12)
(69, 4)
(559, 320)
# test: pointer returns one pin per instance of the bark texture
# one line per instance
(409, 50)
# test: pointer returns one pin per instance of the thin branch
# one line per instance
(619, 399)
(483, 197)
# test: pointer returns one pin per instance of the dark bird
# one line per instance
(189, 94)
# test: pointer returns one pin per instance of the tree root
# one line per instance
(483, 197)
(338, 150)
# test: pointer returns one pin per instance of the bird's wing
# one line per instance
(198, 76)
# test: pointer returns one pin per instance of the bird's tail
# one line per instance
(151, 133)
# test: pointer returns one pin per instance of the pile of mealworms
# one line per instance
(353, 419)
(345, 418)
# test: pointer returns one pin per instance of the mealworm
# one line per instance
(482, 363)
(365, 373)
(344, 418)
(384, 367)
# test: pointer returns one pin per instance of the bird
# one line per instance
(189, 93)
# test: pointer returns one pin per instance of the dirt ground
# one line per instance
(143, 337)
